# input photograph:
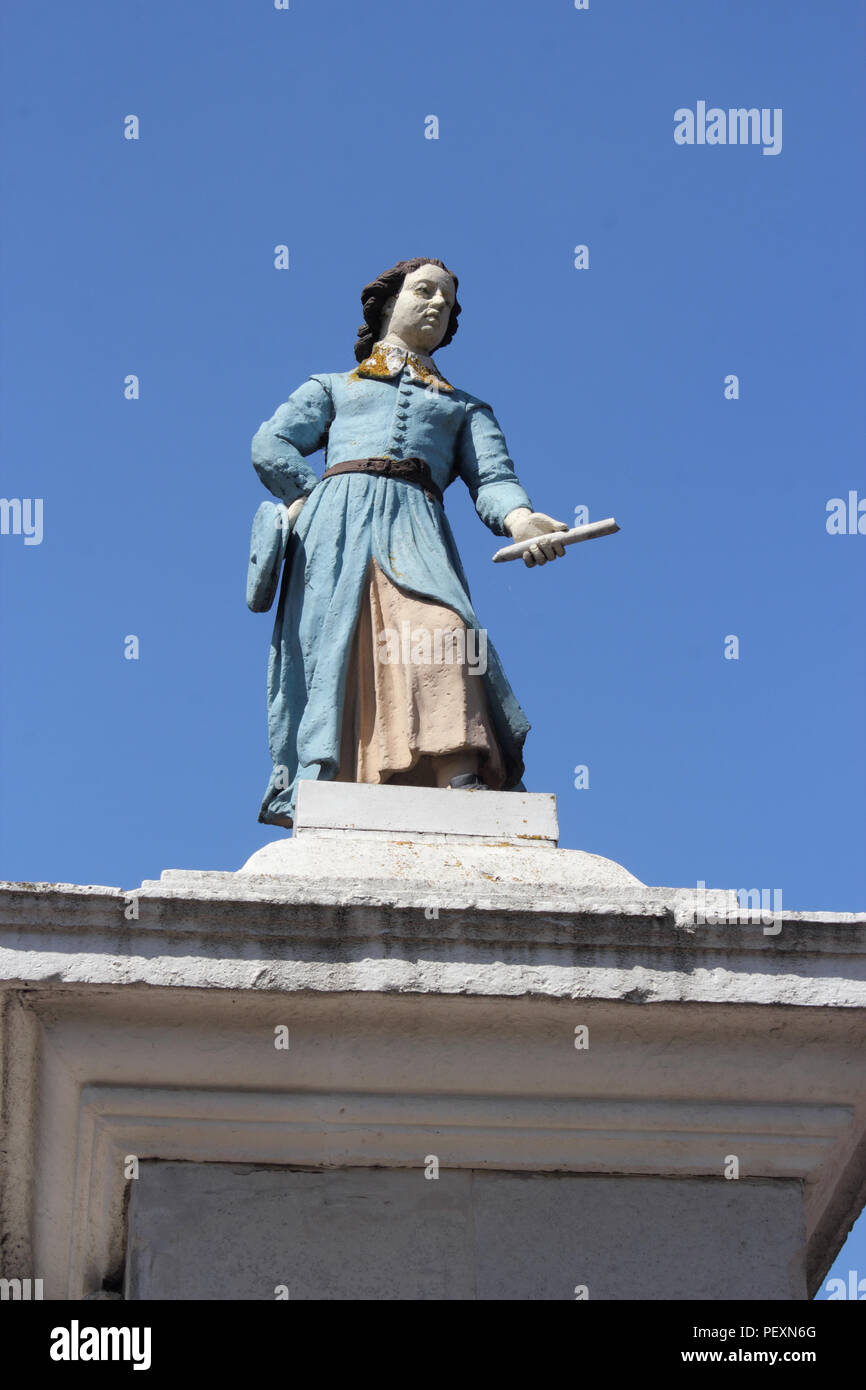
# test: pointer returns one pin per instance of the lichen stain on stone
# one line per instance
(376, 365)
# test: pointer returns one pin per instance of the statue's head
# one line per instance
(415, 301)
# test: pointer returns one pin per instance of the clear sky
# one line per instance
(306, 127)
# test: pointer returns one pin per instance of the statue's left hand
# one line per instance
(295, 511)
(523, 524)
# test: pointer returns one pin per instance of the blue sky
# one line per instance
(306, 127)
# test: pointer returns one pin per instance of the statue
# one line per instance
(362, 681)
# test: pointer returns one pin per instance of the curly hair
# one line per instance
(375, 296)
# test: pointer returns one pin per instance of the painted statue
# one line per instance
(370, 560)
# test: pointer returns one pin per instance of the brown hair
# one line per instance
(375, 296)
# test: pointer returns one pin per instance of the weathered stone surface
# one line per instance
(398, 864)
(428, 919)
(218, 1232)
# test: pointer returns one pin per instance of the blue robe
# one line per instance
(373, 411)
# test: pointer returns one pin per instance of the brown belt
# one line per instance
(411, 470)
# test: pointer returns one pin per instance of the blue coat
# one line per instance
(370, 412)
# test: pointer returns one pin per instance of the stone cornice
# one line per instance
(287, 935)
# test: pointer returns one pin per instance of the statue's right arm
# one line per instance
(281, 444)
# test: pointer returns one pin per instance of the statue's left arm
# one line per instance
(500, 500)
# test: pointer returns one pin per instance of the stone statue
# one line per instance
(369, 677)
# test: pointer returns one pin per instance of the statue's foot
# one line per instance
(469, 782)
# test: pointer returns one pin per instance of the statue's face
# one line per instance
(418, 316)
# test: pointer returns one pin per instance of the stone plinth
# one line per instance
(425, 815)
(582, 1058)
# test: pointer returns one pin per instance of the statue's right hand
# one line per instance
(525, 525)
(295, 511)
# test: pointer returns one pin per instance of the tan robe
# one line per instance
(400, 714)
